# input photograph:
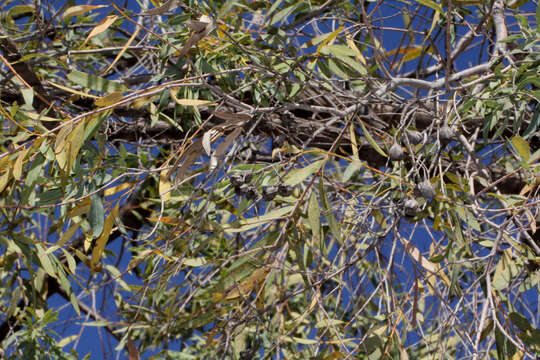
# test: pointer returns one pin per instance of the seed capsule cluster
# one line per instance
(242, 186)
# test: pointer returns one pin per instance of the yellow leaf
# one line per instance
(73, 91)
(76, 139)
(81, 208)
(139, 103)
(67, 145)
(433, 268)
(40, 117)
(109, 99)
(17, 167)
(133, 36)
(118, 188)
(329, 39)
(80, 9)
(101, 27)
(358, 54)
(166, 220)
(371, 140)
(433, 24)
(246, 287)
(431, 4)
(60, 145)
(192, 102)
(101, 242)
(353, 142)
(164, 186)
(68, 234)
(5, 179)
(522, 147)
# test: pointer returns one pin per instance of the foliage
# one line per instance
(240, 179)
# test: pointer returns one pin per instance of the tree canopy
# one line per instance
(270, 179)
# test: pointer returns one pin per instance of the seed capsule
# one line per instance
(237, 180)
(410, 208)
(247, 176)
(396, 152)
(285, 190)
(242, 189)
(251, 193)
(446, 134)
(414, 137)
(425, 190)
(269, 193)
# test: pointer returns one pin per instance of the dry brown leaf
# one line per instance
(132, 350)
(166, 7)
(223, 146)
(231, 116)
(189, 155)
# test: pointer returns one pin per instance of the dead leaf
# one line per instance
(189, 155)
(201, 28)
(231, 116)
(223, 146)
(168, 6)
(132, 350)
(208, 138)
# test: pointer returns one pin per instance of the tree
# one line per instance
(245, 179)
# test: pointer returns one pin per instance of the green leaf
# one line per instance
(431, 4)
(296, 176)
(282, 14)
(302, 341)
(51, 196)
(314, 215)
(261, 220)
(194, 262)
(328, 214)
(537, 17)
(505, 271)
(45, 261)
(95, 82)
(520, 321)
(96, 216)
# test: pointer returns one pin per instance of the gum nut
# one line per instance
(396, 153)
(410, 208)
(237, 180)
(251, 193)
(425, 189)
(269, 192)
(242, 189)
(247, 177)
(415, 137)
(446, 134)
(285, 190)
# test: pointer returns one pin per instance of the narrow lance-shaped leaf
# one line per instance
(101, 242)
